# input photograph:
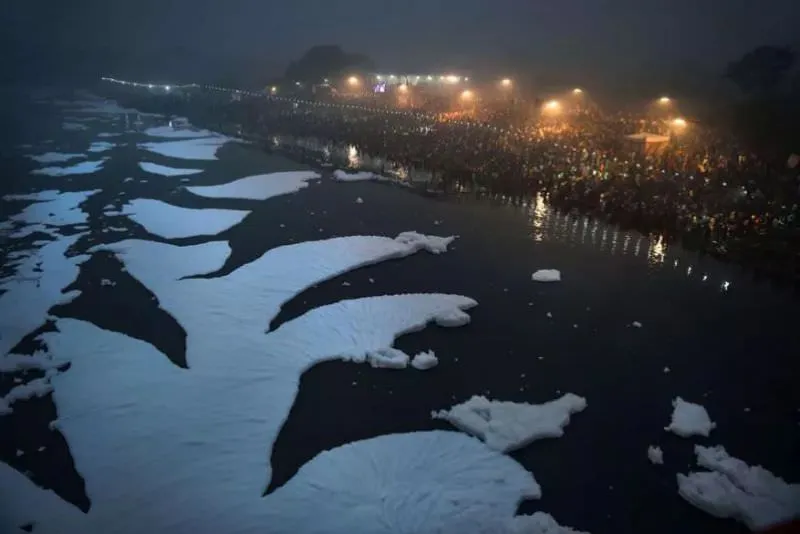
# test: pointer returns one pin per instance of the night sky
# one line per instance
(593, 43)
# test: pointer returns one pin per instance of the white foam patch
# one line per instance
(55, 157)
(108, 134)
(361, 176)
(733, 489)
(655, 455)
(52, 208)
(36, 287)
(388, 358)
(506, 426)
(200, 149)
(689, 419)
(434, 244)
(546, 275)
(418, 482)
(38, 387)
(172, 222)
(277, 275)
(258, 187)
(538, 523)
(39, 361)
(206, 434)
(162, 170)
(425, 360)
(100, 146)
(170, 132)
(85, 167)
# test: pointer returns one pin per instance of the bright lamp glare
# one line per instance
(664, 100)
(352, 80)
(679, 123)
(552, 105)
(505, 82)
(467, 94)
(577, 91)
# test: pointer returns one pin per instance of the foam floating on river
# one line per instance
(85, 167)
(258, 187)
(507, 426)
(172, 222)
(546, 275)
(689, 419)
(343, 176)
(55, 157)
(163, 170)
(732, 489)
(424, 361)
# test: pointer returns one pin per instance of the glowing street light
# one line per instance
(577, 91)
(168, 88)
(403, 88)
(679, 123)
(505, 82)
(664, 100)
(552, 106)
(453, 79)
(466, 94)
(379, 77)
(352, 80)
(273, 89)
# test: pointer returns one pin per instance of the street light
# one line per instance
(466, 94)
(577, 91)
(352, 80)
(273, 89)
(664, 100)
(552, 105)
(403, 88)
(505, 82)
(679, 123)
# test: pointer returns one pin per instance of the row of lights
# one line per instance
(551, 107)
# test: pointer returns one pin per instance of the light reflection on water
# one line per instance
(548, 224)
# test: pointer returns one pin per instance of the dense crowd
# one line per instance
(700, 184)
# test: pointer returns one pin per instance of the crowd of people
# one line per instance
(700, 186)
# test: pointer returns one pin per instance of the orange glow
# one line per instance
(453, 79)
(679, 123)
(553, 105)
(466, 94)
(505, 82)
(352, 80)
(577, 91)
(403, 88)
(664, 100)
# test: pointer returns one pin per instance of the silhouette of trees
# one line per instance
(326, 61)
(761, 70)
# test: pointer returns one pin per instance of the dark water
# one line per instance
(730, 341)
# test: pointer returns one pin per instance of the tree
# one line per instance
(761, 70)
(326, 61)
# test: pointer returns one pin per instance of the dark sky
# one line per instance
(582, 42)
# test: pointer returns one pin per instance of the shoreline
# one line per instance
(771, 257)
